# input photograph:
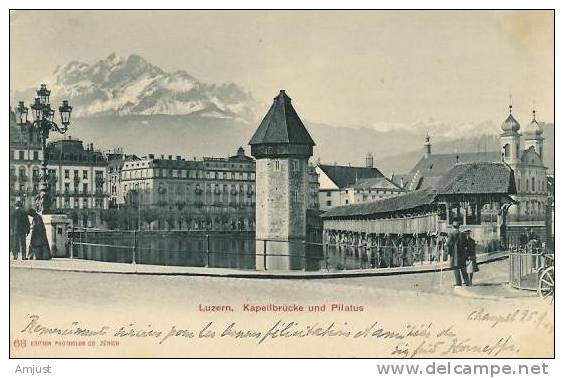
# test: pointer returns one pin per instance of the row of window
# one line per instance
(370, 191)
(532, 208)
(99, 174)
(98, 203)
(21, 155)
(540, 186)
(179, 173)
(295, 165)
(99, 188)
(217, 188)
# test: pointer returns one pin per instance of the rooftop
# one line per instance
(282, 125)
(344, 176)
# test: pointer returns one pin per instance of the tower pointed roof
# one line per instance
(282, 125)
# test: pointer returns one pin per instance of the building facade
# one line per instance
(77, 175)
(216, 193)
(345, 185)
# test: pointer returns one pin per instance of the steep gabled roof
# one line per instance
(439, 164)
(478, 178)
(281, 125)
(429, 168)
(344, 176)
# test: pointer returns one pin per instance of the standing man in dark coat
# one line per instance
(39, 248)
(20, 229)
(456, 246)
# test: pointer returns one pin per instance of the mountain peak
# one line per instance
(131, 85)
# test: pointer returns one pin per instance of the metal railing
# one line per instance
(240, 250)
(525, 265)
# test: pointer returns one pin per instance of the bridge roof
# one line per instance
(463, 179)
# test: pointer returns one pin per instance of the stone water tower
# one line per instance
(282, 147)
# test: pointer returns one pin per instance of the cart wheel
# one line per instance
(546, 284)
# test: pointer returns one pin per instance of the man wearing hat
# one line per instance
(456, 247)
(471, 263)
(20, 229)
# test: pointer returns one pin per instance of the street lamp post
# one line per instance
(43, 121)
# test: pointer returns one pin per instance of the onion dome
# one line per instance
(533, 129)
(510, 125)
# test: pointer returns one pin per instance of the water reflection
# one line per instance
(235, 250)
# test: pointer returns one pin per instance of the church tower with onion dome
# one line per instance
(533, 136)
(509, 139)
(282, 147)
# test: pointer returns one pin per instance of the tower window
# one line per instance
(533, 184)
(277, 165)
(507, 151)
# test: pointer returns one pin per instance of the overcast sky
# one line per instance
(369, 68)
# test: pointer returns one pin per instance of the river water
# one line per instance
(235, 250)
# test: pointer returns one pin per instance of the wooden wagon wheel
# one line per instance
(546, 284)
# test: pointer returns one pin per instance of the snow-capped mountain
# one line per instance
(442, 129)
(132, 86)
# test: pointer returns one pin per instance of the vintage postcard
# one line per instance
(276, 183)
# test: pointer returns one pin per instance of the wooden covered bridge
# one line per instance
(411, 227)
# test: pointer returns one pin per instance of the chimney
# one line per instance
(169, 157)
(178, 157)
(151, 156)
(369, 160)
(162, 157)
(427, 145)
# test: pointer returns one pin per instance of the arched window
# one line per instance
(507, 151)
(527, 185)
(533, 184)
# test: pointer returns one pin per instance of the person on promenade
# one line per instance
(39, 246)
(456, 246)
(19, 224)
(471, 263)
